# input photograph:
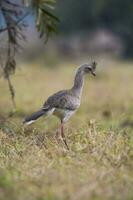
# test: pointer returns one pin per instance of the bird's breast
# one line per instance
(63, 114)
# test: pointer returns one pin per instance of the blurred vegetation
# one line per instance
(13, 21)
(75, 16)
(88, 15)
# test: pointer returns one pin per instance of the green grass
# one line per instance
(35, 165)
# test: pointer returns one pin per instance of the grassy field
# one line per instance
(35, 165)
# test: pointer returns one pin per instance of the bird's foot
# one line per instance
(59, 138)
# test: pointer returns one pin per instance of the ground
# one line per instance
(35, 165)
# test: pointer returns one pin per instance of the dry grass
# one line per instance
(34, 165)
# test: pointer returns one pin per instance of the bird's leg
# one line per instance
(57, 135)
(63, 135)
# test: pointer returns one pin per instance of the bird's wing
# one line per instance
(62, 100)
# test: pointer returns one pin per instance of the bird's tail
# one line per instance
(30, 119)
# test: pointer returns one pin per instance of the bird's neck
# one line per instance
(78, 83)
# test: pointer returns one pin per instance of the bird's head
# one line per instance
(89, 68)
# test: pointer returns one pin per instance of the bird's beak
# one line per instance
(93, 68)
(93, 73)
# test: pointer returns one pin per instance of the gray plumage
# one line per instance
(63, 104)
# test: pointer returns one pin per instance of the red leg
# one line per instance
(63, 135)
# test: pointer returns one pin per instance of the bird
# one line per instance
(64, 104)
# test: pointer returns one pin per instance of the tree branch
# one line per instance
(17, 22)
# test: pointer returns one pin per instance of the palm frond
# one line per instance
(45, 20)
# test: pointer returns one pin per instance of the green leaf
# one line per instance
(50, 15)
